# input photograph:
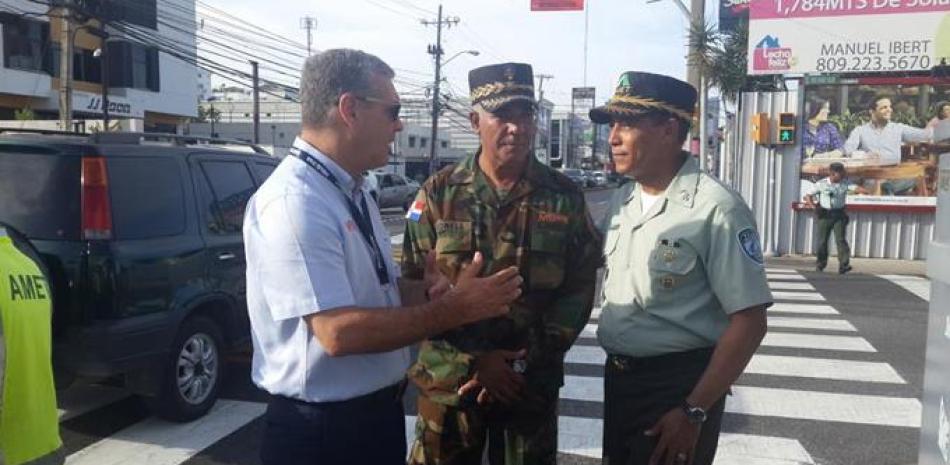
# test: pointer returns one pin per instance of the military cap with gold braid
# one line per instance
(641, 93)
(495, 86)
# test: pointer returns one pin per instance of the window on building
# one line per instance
(444, 144)
(423, 142)
(134, 66)
(86, 66)
(26, 44)
(412, 141)
(138, 12)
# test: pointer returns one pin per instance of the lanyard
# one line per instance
(360, 216)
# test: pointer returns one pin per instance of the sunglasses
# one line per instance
(392, 109)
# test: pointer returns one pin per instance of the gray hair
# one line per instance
(332, 73)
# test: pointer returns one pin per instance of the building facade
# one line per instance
(143, 82)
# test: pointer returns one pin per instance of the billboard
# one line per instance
(847, 36)
(582, 135)
(882, 133)
(557, 5)
(731, 13)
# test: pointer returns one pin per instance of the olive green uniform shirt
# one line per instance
(676, 272)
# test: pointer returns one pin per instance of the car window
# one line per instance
(386, 181)
(148, 198)
(229, 187)
(263, 171)
(398, 180)
(39, 192)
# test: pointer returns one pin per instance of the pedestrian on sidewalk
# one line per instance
(330, 315)
(685, 291)
(29, 424)
(832, 194)
(496, 382)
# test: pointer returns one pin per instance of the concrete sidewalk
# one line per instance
(876, 266)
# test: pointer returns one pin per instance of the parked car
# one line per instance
(393, 190)
(599, 178)
(576, 175)
(144, 247)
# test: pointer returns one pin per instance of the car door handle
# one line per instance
(226, 256)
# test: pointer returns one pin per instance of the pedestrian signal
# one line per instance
(786, 129)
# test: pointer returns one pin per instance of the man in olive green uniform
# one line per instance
(29, 426)
(498, 380)
(832, 193)
(685, 291)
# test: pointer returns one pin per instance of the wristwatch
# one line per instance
(695, 415)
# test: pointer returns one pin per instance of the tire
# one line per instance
(197, 335)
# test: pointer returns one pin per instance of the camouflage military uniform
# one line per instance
(542, 226)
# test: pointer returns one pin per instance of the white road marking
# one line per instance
(84, 398)
(804, 296)
(158, 442)
(810, 323)
(780, 286)
(747, 449)
(821, 342)
(825, 406)
(913, 284)
(812, 309)
(784, 277)
(820, 368)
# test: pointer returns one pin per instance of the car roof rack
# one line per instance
(134, 138)
(45, 132)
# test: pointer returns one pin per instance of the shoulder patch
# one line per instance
(751, 246)
(415, 212)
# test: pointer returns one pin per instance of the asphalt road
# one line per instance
(836, 382)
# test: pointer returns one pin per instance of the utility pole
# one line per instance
(694, 74)
(537, 137)
(436, 51)
(104, 61)
(66, 68)
(257, 103)
(309, 23)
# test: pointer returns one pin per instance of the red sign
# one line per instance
(557, 5)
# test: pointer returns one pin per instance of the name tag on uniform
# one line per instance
(552, 218)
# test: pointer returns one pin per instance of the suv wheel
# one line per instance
(193, 373)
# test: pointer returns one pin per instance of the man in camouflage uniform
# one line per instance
(497, 381)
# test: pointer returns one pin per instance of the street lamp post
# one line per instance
(433, 160)
(694, 75)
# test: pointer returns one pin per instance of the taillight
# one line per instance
(96, 207)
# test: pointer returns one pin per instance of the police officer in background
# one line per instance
(832, 193)
(29, 424)
(497, 381)
(685, 291)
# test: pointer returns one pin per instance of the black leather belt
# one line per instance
(388, 394)
(627, 363)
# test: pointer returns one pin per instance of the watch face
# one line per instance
(695, 415)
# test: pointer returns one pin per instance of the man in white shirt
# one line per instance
(881, 138)
(330, 315)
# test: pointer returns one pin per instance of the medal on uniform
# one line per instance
(668, 282)
(669, 255)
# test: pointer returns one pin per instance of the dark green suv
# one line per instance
(142, 237)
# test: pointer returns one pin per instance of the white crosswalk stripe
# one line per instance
(837, 353)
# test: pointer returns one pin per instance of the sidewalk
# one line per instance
(876, 266)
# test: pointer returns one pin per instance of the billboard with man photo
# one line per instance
(883, 134)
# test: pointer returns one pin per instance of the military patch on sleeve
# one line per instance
(749, 243)
(415, 211)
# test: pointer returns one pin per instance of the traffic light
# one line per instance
(786, 129)
(760, 128)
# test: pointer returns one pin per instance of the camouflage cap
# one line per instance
(640, 93)
(495, 86)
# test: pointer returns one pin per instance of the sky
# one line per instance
(623, 35)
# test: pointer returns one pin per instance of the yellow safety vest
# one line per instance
(29, 424)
